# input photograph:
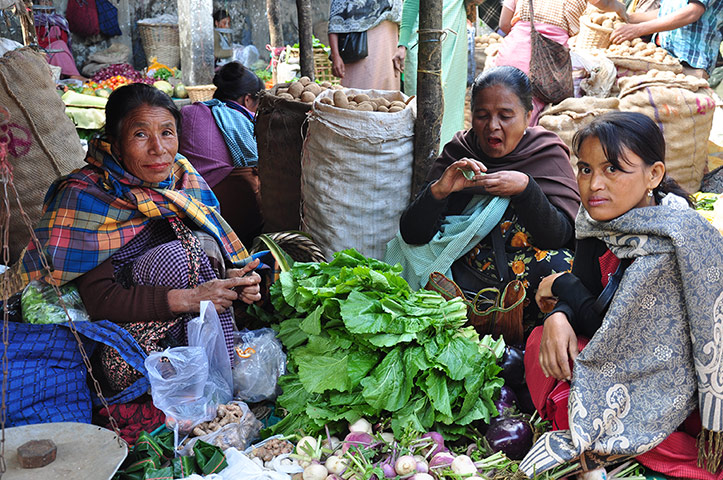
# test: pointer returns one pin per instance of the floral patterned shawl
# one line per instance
(659, 351)
(361, 15)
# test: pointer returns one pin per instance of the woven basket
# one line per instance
(322, 65)
(10, 281)
(200, 93)
(299, 247)
(592, 36)
(160, 40)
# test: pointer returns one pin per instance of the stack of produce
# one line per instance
(607, 20)
(121, 72)
(710, 205)
(485, 48)
(484, 41)
(361, 343)
(636, 48)
(303, 90)
(362, 102)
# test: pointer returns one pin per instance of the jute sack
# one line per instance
(43, 141)
(683, 108)
(356, 174)
(279, 138)
(570, 115)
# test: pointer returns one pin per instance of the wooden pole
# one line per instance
(306, 42)
(430, 101)
(23, 9)
(276, 32)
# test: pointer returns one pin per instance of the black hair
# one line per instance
(233, 81)
(633, 131)
(219, 15)
(510, 77)
(127, 98)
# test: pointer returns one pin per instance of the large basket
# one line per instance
(592, 36)
(200, 93)
(322, 65)
(160, 40)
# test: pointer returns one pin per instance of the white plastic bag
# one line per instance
(237, 435)
(259, 362)
(206, 331)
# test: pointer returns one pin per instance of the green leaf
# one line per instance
(390, 340)
(362, 314)
(290, 334)
(415, 361)
(312, 323)
(455, 355)
(387, 388)
(359, 365)
(319, 373)
(436, 389)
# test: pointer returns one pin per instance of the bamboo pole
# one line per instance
(306, 43)
(430, 101)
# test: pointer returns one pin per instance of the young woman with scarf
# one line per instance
(218, 139)
(645, 300)
(527, 171)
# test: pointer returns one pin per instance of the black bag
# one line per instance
(550, 67)
(353, 46)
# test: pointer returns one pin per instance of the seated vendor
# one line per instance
(222, 45)
(138, 231)
(529, 166)
(645, 292)
(218, 139)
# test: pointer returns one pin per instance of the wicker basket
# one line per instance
(200, 93)
(322, 65)
(592, 36)
(160, 40)
(298, 246)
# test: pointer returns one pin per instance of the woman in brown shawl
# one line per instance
(509, 159)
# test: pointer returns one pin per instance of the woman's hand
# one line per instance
(558, 347)
(544, 297)
(250, 291)
(505, 183)
(453, 180)
(337, 66)
(398, 59)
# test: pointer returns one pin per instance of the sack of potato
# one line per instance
(356, 169)
(303, 90)
(633, 57)
(683, 107)
(572, 114)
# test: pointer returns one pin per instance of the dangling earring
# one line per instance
(650, 193)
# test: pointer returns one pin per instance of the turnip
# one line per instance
(359, 439)
(315, 472)
(336, 464)
(422, 465)
(387, 437)
(332, 443)
(442, 459)
(306, 446)
(333, 476)
(463, 465)
(361, 426)
(405, 465)
(388, 470)
(421, 476)
(437, 439)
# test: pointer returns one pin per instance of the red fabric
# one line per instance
(608, 264)
(676, 456)
(134, 418)
(82, 17)
(48, 35)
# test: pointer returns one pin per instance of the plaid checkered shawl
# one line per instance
(94, 211)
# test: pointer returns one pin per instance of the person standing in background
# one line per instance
(380, 19)
(222, 46)
(454, 60)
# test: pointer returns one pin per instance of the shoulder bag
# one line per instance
(353, 46)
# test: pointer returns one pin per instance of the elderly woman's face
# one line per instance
(148, 143)
(499, 120)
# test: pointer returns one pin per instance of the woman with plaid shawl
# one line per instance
(139, 231)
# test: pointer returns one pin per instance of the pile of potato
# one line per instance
(636, 48)
(609, 20)
(484, 41)
(304, 90)
(363, 103)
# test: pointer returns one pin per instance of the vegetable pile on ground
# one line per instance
(361, 343)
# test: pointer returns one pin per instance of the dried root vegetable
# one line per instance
(225, 414)
(272, 448)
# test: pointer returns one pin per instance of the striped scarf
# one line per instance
(94, 211)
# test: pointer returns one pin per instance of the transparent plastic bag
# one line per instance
(188, 383)
(40, 304)
(259, 362)
(238, 434)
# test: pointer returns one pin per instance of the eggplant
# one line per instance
(511, 435)
(524, 399)
(513, 367)
(507, 398)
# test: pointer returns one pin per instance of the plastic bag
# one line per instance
(188, 383)
(40, 304)
(247, 55)
(237, 435)
(259, 362)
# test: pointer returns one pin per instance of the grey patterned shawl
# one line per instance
(361, 15)
(658, 353)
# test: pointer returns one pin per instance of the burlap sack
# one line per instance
(279, 137)
(43, 141)
(683, 107)
(570, 115)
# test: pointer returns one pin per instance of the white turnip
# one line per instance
(441, 459)
(387, 437)
(405, 465)
(336, 464)
(421, 476)
(359, 439)
(315, 472)
(306, 445)
(463, 465)
(361, 426)
(422, 465)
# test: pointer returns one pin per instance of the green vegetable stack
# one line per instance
(361, 343)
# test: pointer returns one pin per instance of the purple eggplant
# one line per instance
(524, 400)
(511, 435)
(507, 399)
(513, 367)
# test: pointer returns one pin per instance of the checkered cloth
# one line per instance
(91, 213)
(237, 127)
(107, 18)
(489, 12)
(560, 13)
(696, 44)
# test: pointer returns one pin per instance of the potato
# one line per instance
(383, 101)
(304, 80)
(353, 103)
(307, 97)
(327, 101)
(326, 84)
(362, 97)
(313, 88)
(281, 90)
(635, 41)
(382, 108)
(286, 96)
(626, 43)
(398, 103)
(607, 24)
(295, 89)
(395, 109)
(340, 99)
(337, 87)
(366, 107)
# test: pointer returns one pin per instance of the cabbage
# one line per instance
(164, 86)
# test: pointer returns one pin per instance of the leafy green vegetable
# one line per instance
(360, 342)
(162, 74)
(41, 305)
(469, 174)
